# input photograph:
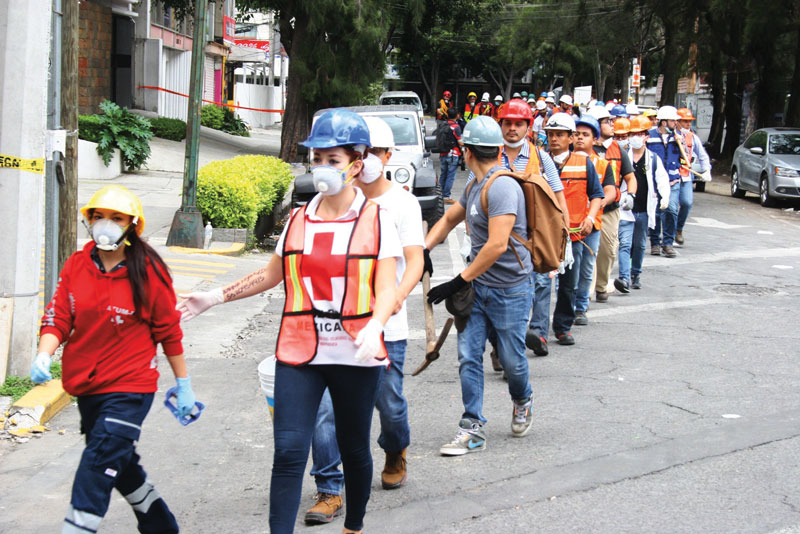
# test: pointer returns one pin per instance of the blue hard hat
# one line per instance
(543, 94)
(600, 103)
(619, 111)
(591, 122)
(338, 127)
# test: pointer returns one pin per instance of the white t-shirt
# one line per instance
(407, 216)
(323, 256)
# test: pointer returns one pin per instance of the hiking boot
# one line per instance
(565, 339)
(521, 418)
(470, 438)
(679, 237)
(580, 319)
(655, 250)
(601, 296)
(636, 282)
(496, 366)
(622, 285)
(394, 470)
(328, 507)
(536, 343)
(668, 251)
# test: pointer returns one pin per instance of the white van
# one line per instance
(404, 98)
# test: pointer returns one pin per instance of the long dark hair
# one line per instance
(136, 256)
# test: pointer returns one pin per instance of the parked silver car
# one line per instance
(768, 164)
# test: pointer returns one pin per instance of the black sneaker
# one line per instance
(622, 285)
(565, 339)
(536, 343)
(580, 319)
(636, 282)
(668, 251)
(655, 250)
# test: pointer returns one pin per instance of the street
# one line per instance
(678, 409)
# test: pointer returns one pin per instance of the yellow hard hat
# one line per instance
(472, 94)
(117, 198)
(649, 113)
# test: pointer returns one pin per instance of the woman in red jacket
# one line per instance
(114, 303)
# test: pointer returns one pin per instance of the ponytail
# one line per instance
(136, 256)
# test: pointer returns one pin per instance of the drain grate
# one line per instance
(744, 289)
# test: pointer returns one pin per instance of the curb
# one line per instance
(235, 249)
(36, 407)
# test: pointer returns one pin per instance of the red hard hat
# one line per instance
(685, 114)
(516, 109)
(447, 94)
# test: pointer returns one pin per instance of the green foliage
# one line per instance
(223, 119)
(233, 193)
(212, 116)
(126, 131)
(372, 94)
(90, 128)
(172, 129)
(17, 386)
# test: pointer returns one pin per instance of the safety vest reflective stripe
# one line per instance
(365, 297)
(600, 165)
(574, 169)
(296, 287)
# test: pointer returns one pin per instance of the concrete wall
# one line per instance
(94, 57)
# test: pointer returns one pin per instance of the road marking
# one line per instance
(207, 276)
(708, 222)
(199, 262)
(782, 267)
(455, 253)
(656, 306)
(766, 232)
(181, 269)
(653, 261)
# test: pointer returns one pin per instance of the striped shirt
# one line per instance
(521, 161)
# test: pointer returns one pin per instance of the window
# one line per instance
(404, 128)
(165, 16)
(784, 144)
(757, 139)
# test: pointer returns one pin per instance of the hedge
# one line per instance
(233, 193)
(172, 129)
(90, 128)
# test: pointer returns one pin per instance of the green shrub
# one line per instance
(90, 128)
(17, 386)
(172, 129)
(130, 133)
(212, 116)
(233, 193)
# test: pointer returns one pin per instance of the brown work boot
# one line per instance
(601, 296)
(328, 506)
(496, 365)
(394, 471)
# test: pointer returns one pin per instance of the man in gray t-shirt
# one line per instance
(501, 283)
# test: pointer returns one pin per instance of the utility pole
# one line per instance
(24, 48)
(187, 224)
(53, 156)
(68, 192)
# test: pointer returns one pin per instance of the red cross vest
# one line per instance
(614, 157)
(298, 338)
(574, 178)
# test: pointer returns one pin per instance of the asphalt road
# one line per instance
(678, 410)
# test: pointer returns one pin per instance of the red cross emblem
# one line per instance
(321, 265)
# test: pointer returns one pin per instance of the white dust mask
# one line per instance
(328, 180)
(636, 142)
(623, 143)
(373, 169)
(561, 158)
(516, 144)
(107, 234)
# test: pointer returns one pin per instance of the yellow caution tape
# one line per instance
(30, 165)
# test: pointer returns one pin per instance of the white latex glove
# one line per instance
(568, 260)
(40, 368)
(664, 203)
(707, 176)
(369, 341)
(626, 201)
(194, 304)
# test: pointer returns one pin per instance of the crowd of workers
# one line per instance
(348, 261)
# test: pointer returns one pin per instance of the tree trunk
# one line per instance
(296, 119)
(626, 74)
(669, 87)
(733, 110)
(718, 95)
(793, 114)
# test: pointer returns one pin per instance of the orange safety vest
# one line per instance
(496, 112)
(614, 156)
(470, 111)
(298, 337)
(574, 178)
(534, 165)
(600, 165)
(688, 140)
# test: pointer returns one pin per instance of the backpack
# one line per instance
(445, 138)
(547, 235)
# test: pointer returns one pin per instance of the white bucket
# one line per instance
(266, 375)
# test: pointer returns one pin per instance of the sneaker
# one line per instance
(394, 470)
(636, 282)
(622, 285)
(536, 343)
(601, 296)
(655, 250)
(470, 438)
(327, 508)
(521, 418)
(668, 251)
(679, 237)
(565, 339)
(580, 319)
(496, 366)
(449, 201)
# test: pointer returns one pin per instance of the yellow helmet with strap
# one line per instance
(116, 198)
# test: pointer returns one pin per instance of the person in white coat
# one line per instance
(653, 182)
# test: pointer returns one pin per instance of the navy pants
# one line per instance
(112, 423)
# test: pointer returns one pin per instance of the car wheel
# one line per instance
(736, 188)
(432, 215)
(700, 187)
(766, 200)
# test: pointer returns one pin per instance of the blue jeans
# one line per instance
(686, 198)
(587, 269)
(564, 314)
(632, 242)
(667, 219)
(393, 410)
(298, 391)
(540, 309)
(505, 310)
(447, 174)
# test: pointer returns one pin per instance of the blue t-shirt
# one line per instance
(505, 197)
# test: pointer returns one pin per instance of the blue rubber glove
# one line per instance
(186, 398)
(40, 368)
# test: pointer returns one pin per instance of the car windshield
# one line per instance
(404, 128)
(401, 101)
(784, 144)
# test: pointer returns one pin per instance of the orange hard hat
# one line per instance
(639, 123)
(685, 114)
(516, 109)
(622, 125)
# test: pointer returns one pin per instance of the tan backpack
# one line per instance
(547, 234)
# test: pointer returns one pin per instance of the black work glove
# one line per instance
(442, 291)
(428, 264)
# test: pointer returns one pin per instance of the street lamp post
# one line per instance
(187, 224)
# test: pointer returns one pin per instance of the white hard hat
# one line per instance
(498, 97)
(560, 121)
(565, 99)
(540, 105)
(516, 95)
(485, 97)
(531, 100)
(668, 113)
(598, 112)
(610, 105)
(551, 94)
(591, 103)
(632, 109)
(550, 100)
(380, 133)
